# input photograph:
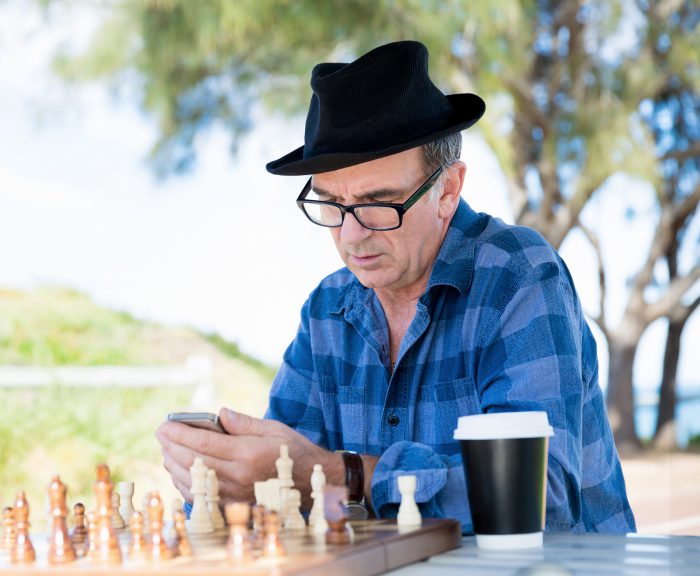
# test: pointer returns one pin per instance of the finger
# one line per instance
(200, 442)
(239, 424)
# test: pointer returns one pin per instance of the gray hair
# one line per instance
(442, 152)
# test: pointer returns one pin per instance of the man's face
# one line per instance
(396, 260)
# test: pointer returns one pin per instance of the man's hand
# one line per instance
(245, 455)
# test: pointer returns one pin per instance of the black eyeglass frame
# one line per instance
(401, 209)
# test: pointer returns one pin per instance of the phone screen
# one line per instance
(205, 420)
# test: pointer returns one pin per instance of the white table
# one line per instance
(565, 554)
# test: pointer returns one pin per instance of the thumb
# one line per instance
(239, 424)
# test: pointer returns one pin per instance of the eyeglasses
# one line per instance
(375, 216)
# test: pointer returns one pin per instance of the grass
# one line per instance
(69, 430)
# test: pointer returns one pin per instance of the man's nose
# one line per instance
(352, 231)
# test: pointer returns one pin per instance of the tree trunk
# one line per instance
(620, 396)
(665, 433)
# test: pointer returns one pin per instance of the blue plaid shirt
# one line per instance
(499, 328)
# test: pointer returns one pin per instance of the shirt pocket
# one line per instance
(351, 408)
(440, 404)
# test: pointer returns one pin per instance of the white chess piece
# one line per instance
(409, 514)
(317, 517)
(117, 520)
(213, 499)
(126, 506)
(294, 519)
(284, 465)
(200, 521)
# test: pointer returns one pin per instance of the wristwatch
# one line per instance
(355, 481)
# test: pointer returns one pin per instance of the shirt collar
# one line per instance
(454, 265)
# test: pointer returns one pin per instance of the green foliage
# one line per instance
(69, 430)
(53, 326)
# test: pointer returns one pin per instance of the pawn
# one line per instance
(258, 536)
(117, 519)
(23, 551)
(79, 533)
(336, 514)
(409, 514)
(61, 548)
(158, 549)
(272, 545)
(9, 536)
(238, 546)
(213, 499)
(294, 519)
(126, 504)
(181, 544)
(137, 547)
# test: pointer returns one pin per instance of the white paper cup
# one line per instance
(505, 467)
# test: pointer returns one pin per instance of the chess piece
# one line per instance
(137, 547)
(213, 499)
(258, 536)
(317, 518)
(284, 465)
(61, 548)
(294, 520)
(157, 548)
(409, 514)
(200, 521)
(260, 493)
(93, 551)
(117, 519)
(272, 545)
(79, 533)
(126, 496)
(107, 545)
(8, 529)
(181, 545)
(22, 551)
(336, 514)
(239, 545)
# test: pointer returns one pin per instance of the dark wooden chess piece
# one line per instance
(60, 545)
(272, 545)
(239, 547)
(8, 530)
(157, 547)
(137, 547)
(107, 545)
(23, 551)
(181, 546)
(79, 534)
(336, 513)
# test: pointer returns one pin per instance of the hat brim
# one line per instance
(467, 109)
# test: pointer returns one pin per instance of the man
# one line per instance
(440, 312)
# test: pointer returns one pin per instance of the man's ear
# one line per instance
(451, 189)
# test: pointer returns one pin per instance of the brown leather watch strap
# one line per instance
(354, 476)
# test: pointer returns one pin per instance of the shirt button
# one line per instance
(393, 420)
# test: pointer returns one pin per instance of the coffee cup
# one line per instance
(505, 467)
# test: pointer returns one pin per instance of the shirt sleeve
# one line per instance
(532, 358)
(440, 486)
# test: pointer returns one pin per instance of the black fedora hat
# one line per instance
(382, 103)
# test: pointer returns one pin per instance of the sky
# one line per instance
(225, 248)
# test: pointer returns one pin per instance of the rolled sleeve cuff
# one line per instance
(404, 458)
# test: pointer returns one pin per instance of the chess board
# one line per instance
(375, 546)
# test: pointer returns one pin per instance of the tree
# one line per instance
(566, 83)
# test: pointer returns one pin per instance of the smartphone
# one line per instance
(205, 420)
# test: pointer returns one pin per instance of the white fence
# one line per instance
(195, 373)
